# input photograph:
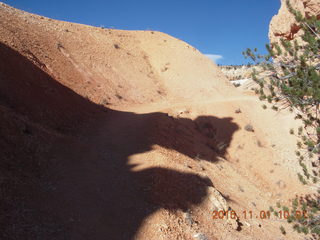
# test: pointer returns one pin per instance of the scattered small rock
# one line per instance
(201, 236)
(105, 102)
(238, 110)
(281, 184)
(259, 143)
(164, 69)
(217, 200)
(249, 128)
(119, 96)
(219, 203)
(188, 218)
(59, 45)
(220, 167)
(240, 146)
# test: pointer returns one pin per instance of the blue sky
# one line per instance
(215, 27)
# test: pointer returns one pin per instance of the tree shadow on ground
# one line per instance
(64, 160)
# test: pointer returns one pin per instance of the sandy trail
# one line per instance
(130, 165)
(166, 106)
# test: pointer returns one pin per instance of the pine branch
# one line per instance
(316, 34)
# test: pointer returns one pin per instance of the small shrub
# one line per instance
(305, 230)
(301, 179)
(299, 145)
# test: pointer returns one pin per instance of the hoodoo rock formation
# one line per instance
(284, 25)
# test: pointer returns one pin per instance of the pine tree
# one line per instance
(290, 78)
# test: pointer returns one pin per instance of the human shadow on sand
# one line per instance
(65, 171)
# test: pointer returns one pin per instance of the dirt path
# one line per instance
(129, 167)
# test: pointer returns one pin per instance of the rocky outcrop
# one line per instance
(284, 25)
(237, 72)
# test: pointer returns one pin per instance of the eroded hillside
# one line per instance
(111, 134)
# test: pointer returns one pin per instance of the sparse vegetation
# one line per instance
(293, 81)
(291, 131)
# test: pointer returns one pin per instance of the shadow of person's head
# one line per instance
(205, 137)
